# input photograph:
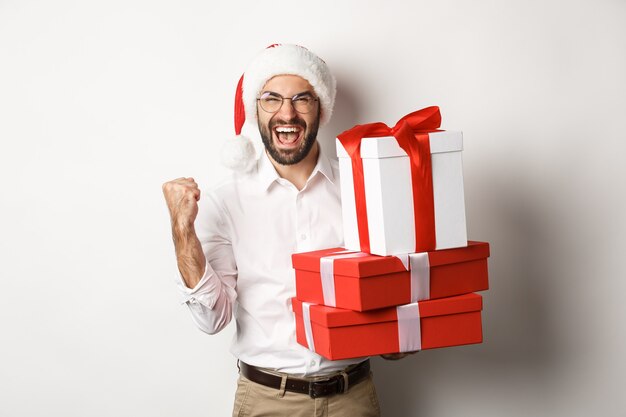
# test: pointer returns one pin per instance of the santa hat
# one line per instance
(239, 153)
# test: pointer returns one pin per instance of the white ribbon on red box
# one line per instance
(327, 272)
(306, 318)
(409, 327)
(416, 263)
(419, 266)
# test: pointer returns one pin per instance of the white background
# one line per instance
(101, 102)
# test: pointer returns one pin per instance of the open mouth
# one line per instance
(288, 136)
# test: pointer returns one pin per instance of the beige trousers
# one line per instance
(256, 400)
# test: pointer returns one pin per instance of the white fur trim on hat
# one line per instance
(289, 60)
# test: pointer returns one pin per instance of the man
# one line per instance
(234, 245)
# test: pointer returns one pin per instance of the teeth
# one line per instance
(286, 129)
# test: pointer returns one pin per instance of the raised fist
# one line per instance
(181, 196)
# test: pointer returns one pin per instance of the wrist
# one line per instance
(183, 226)
(183, 233)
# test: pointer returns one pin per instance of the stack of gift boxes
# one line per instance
(407, 277)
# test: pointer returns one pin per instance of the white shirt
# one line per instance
(249, 227)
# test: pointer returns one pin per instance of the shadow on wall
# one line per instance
(345, 116)
(519, 336)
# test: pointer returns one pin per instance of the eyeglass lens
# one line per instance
(272, 102)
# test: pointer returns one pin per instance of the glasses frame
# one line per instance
(282, 101)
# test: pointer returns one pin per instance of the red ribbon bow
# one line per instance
(411, 132)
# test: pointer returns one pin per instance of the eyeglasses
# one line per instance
(272, 102)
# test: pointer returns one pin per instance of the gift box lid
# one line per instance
(336, 317)
(370, 265)
(387, 146)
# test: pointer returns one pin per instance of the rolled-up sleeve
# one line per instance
(211, 300)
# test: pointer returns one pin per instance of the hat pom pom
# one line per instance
(239, 154)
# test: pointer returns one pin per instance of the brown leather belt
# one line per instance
(315, 388)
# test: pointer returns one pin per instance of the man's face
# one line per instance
(288, 135)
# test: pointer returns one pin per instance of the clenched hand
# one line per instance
(181, 196)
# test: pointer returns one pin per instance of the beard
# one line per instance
(291, 156)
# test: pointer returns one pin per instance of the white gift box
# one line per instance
(389, 195)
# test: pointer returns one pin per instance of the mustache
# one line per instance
(296, 121)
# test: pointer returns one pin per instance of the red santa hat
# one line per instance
(239, 153)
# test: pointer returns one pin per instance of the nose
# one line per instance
(287, 110)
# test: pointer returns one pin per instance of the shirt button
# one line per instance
(312, 363)
(303, 236)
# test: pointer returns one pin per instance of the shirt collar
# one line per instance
(265, 170)
(267, 173)
(324, 166)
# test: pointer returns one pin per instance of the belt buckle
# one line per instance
(337, 381)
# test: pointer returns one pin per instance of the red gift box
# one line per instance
(364, 282)
(341, 334)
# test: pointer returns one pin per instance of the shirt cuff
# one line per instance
(205, 292)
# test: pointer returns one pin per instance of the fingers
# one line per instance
(183, 181)
(393, 356)
(182, 196)
(191, 194)
(397, 356)
(178, 182)
(184, 188)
